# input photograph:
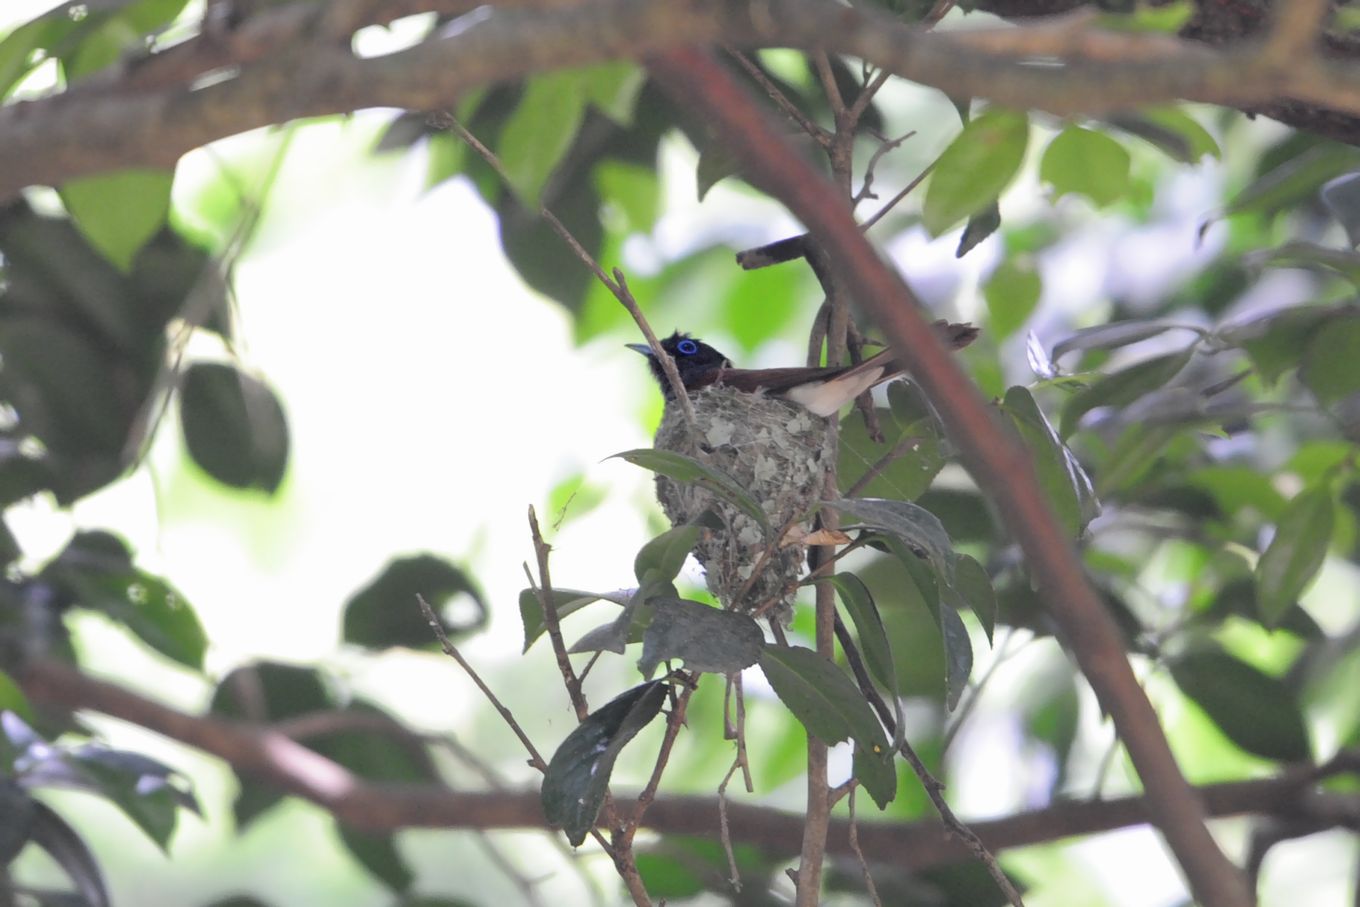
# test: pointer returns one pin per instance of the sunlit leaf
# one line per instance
(541, 131)
(1012, 291)
(1114, 335)
(118, 212)
(1342, 198)
(1086, 162)
(913, 524)
(1170, 129)
(975, 168)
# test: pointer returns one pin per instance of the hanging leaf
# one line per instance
(705, 638)
(564, 602)
(540, 132)
(1012, 291)
(975, 588)
(1331, 360)
(578, 773)
(119, 212)
(1065, 483)
(50, 832)
(1296, 553)
(980, 226)
(1124, 386)
(976, 167)
(683, 468)
(1252, 709)
(234, 427)
(385, 614)
(1086, 162)
(913, 524)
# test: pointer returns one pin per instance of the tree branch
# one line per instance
(296, 770)
(995, 459)
(148, 114)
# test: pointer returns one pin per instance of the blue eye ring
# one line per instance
(687, 347)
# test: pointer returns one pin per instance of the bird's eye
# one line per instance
(687, 347)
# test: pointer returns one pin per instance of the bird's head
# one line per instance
(695, 361)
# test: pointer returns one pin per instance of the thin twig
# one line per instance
(781, 100)
(451, 650)
(822, 63)
(893, 202)
(725, 830)
(905, 445)
(884, 147)
(543, 588)
(869, 887)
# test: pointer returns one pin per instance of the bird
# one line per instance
(766, 430)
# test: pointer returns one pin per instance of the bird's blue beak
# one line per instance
(642, 348)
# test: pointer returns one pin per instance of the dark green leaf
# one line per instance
(877, 772)
(1012, 291)
(385, 612)
(1064, 481)
(684, 468)
(921, 453)
(50, 832)
(703, 637)
(1254, 710)
(578, 774)
(821, 697)
(1331, 360)
(912, 523)
(142, 788)
(716, 163)
(234, 427)
(1124, 386)
(564, 602)
(377, 852)
(1086, 162)
(118, 212)
(975, 168)
(1296, 552)
(958, 655)
(1275, 341)
(980, 226)
(975, 588)
(16, 807)
(869, 629)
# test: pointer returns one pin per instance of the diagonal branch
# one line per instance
(997, 462)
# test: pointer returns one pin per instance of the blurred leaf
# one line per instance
(1178, 135)
(541, 131)
(1294, 180)
(1238, 597)
(1275, 340)
(683, 468)
(12, 699)
(1296, 553)
(1252, 709)
(633, 191)
(832, 709)
(682, 866)
(716, 163)
(1086, 162)
(705, 638)
(1331, 360)
(660, 560)
(1310, 256)
(1166, 19)
(976, 167)
(119, 211)
(1342, 198)
(377, 852)
(980, 226)
(958, 655)
(234, 427)
(142, 788)
(1012, 291)
(50, 832)
(613, 88)
(95, 571)
(385, 612)
(578, 773)
(564, 602)
(1061, 476)
(1124, 386)
(1112, 336)
(17, 808)
(1038, 358)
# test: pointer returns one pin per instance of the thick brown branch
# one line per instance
(267, 754)
(996, 460)
(139, 121)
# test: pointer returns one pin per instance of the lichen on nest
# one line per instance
(778, 452)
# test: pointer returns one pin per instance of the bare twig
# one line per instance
(781, 100)
(543, 588)
(451, 650)
(870, 888)
(896, 199)
(674, 721)
(866, 187)
(822, 64)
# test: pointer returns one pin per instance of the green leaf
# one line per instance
(980, 226)
(975, 168)
(1331, 360)
(140, 787)
(385, 612)
(716, 163)
(1061, 476)
(1275, 341)
(1296, 553)
(958, 653)
(377, 852)
(683, 468)
(975, 588)
(1165, 19)
(12, 699)
(705, 638)
(578, 773)
(613, 88)
(51, 833)
(564, 602)
(1124, 386)
(869, 629)
(234, 427)
(540, 132)
(1172, 130)
(1086, 162)
(913, 524)
(632, 191)
(118, 212)
(1252, 709)
(1012, 291)
(1311, 256)
(922, 453)
(660, 560)
(16, 805)
(1114, 335)
(1295, 180)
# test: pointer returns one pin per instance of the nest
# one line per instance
(778, 452)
